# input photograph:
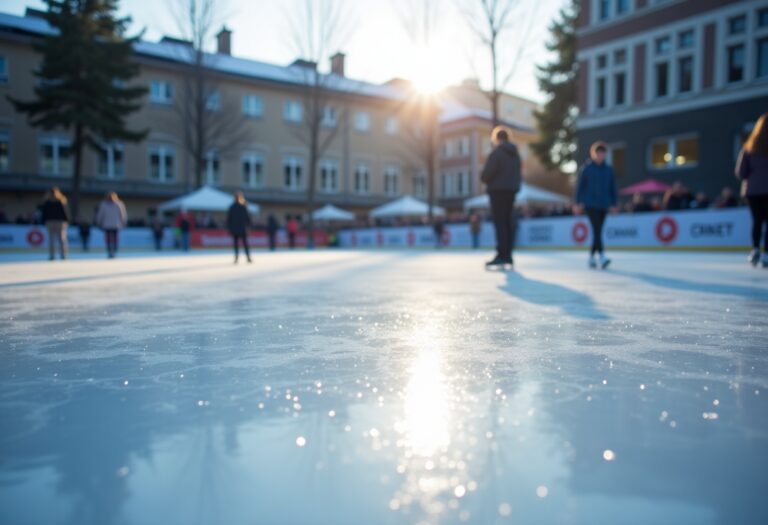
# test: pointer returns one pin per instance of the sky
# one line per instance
(378, 47)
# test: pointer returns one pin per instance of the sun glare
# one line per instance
(428, 75)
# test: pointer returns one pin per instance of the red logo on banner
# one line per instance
(411, 238)
(35, 237)
(666, 230)
(580, 232)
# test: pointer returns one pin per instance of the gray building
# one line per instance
(673, 86)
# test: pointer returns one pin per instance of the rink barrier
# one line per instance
(685, 230)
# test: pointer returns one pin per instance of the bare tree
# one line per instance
(211, 125)
(319, 27)
(500, 25)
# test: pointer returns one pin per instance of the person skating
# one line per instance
(439, 230)
(292, 228)
(596, 193)
(752, 170)
(475, 228)
(111, 218)
(157, 233)
(502, 177)
(272, 228)
(55, 216)
(238, 222)
(84, 228)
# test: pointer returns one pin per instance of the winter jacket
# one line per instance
(238, 219)
(596, 187)
(753, 171)
(111, 215)
(54, 210)
(502, 171)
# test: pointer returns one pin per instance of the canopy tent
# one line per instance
(205, 199)
(330, 212)
(527, 193)
(646, 186)
(405, 207)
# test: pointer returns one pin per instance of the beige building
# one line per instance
(369, 161)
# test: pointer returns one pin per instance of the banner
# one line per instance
(728, 228)
(257, 239)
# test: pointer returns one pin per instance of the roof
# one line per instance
(256, 70)
(455, 112)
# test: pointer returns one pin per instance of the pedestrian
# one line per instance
(727, 199)
(157, 233)
(502, 176)
(55, 216)
(678, 197)
(292, 227)
(752, 169)
(238, 222)
(438, 227)
(475, 227)
(272, 228)
(596, 193)
(111, 218)
(184, 223)
(84, 228)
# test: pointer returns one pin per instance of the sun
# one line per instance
(429, 75)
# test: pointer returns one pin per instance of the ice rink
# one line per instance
(383, 387)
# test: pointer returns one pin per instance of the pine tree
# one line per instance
(86, 64)
(556, 121)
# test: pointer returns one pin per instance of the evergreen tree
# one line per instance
(86, 64)
(556, 122)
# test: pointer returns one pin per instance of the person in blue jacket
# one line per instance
(596, 194)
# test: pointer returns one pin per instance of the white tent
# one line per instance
(405, 207)
(204, 199)
(526, 194)
(329, 212)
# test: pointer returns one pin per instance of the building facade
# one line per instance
(673, 86)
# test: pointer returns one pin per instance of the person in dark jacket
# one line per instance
(272, 227)
(84, 228)
(238, 222)
(55, 216)
(596, 193)
(502, 175)
(157, 233)
(752, 170)
(678, 197)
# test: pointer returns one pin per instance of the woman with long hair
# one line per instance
(111, 217)
(752, 170)
(56, 219)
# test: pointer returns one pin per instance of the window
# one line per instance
(620, 57)
(675, 152)
(329, 117)
(663, 45)
(662, 79)
(391, 181)
(622, 6)
(737, 25)
(600, 93)
(463, 144)
(111, 161)
(617, 158)
(213, 103)
(162, 163)
(252, 169)
(391, 126)
(212, 173)
(293, 111)
(761, 70)
(55, 156)
(602, 61)
(3, 70)
(161, 92)
(362, 179)
(253, 106)
(420, 185)
(605, 9)
(685, 72)
(735, 71)
(292, 172)
(762, 18)
(362, 121)
(329, 176)
(685, 39)
(5, 152)
(620, 88)
(462, 183)
(448, 149)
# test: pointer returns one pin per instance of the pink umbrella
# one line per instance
(647, 186)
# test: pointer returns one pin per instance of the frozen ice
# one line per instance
(386, 387)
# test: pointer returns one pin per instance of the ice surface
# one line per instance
(383, 388)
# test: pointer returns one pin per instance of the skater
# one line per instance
(752, 169)
(157, 233)
(111, 218)
(238, 222)
(292, 228)
(502, 177)
(596, 193)
(439, 229)
(475, 227)
(184, 223)
(56, 218)
(272, 228)
(84, 228)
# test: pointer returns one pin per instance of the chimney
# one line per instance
(224, 41)
(337, 64)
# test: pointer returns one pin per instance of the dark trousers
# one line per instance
(758, 205)
(503, 212)
(597, 220)
(244, 239)
(110, 237)
(158, 242)
(292, 240)
(272, 240)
